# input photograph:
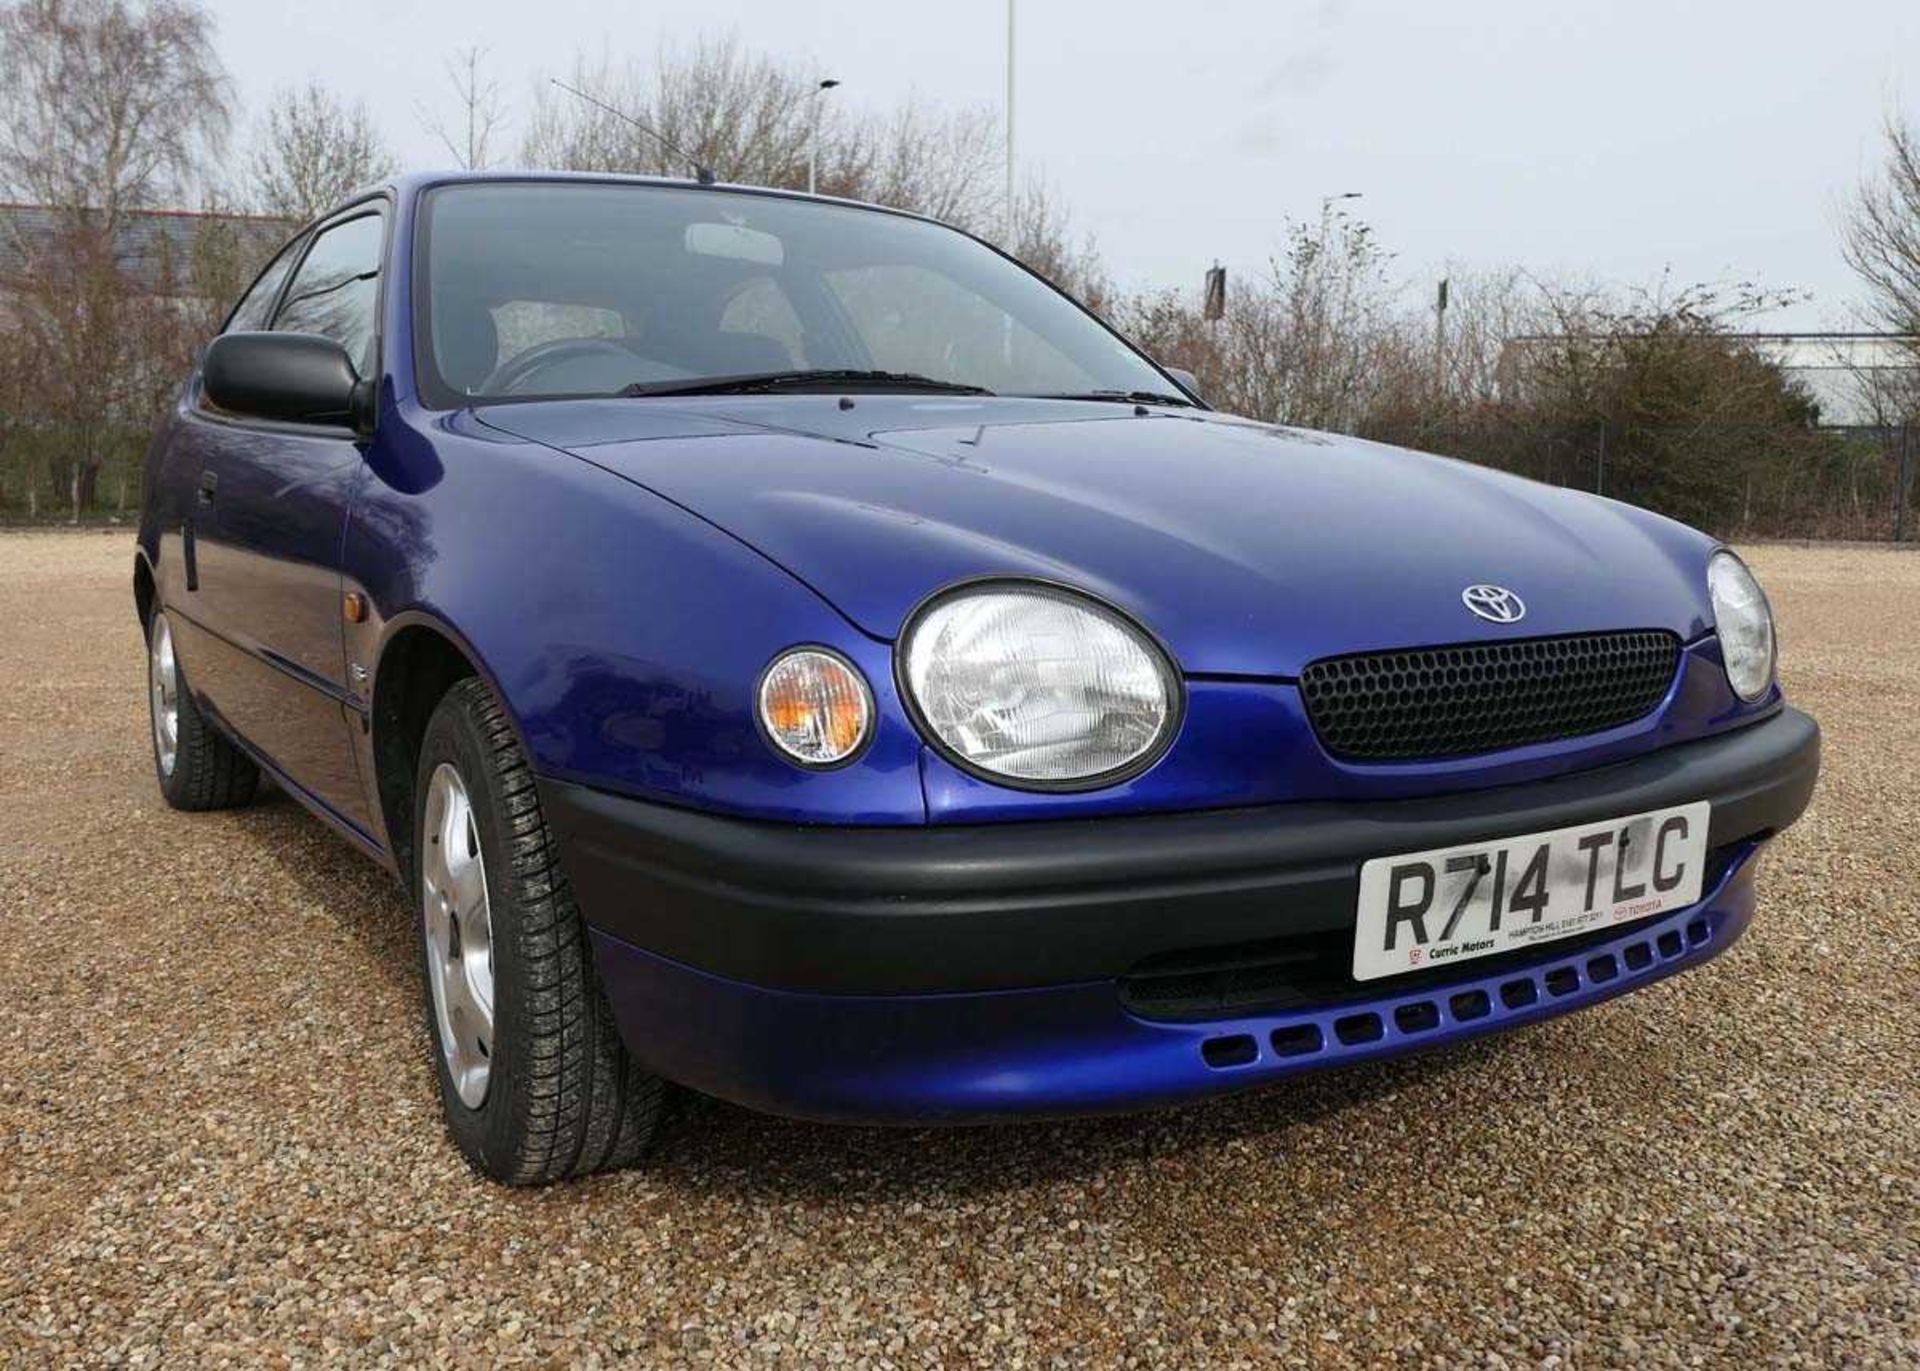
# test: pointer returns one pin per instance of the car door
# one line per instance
(187, 446)
(273, 501)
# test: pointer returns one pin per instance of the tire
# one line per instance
(202, 770)
(535, 1081)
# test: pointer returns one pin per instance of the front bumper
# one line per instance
(966, 973)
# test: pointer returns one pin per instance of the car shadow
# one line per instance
(356, 892)
(708, 1145)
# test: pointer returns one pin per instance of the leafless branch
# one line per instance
(480, 114)
(311, 151)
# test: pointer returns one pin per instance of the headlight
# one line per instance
(815, 706)
(1038, 686)
(1744, 621)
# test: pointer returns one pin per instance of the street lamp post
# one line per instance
(813, 136)
(1010, 6)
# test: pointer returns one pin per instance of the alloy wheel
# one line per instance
(459, 934)
(163, 688)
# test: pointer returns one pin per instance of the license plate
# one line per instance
(1453, 904)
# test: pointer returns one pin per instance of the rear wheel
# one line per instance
(197, 768)
(535, 1081)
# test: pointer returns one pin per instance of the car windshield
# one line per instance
(548, 288)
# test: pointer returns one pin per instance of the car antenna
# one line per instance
(701, 173)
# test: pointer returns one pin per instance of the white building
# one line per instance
(1854, 376)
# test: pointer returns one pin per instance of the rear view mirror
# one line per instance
(735, 241)
(295, 378)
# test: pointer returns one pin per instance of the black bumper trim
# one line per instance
(921, 910)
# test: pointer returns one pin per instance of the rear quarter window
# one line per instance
(336, 291)
(256, 306)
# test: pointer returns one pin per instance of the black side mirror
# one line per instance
(1188, 381)
(295, 378)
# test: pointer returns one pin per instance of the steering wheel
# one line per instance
(517, 370)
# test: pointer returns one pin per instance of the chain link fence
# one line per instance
(1740, 481)
(1736, 480)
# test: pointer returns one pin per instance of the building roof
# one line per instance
(153, 244)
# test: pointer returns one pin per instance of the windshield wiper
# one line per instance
(825, 377)
(1121, 397)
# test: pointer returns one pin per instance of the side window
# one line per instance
(336, 291)
(251, 313)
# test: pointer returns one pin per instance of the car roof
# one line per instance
(411, 184)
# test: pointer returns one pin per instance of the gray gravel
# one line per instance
(221, 1142)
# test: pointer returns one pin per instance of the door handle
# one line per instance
(209, 483)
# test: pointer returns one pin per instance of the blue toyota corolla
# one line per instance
(786, 648)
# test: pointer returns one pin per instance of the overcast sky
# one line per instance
(1608, 139)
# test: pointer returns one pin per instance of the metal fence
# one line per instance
(1898, 449)
(1858, 484)
(1737, 480)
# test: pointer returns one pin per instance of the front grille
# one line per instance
(1482, 697)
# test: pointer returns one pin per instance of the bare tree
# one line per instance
(743, 115)
(19, 402)
(1486, 310)
(1881, 233)
(1309, 341)
(1881, 240)
(1043, 239)
(105, 106)
(1882, 379)
(945, 165)
(1312, 340)
(750, 119)
(481, 112)
(311, 151)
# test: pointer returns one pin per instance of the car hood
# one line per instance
(1249, 549)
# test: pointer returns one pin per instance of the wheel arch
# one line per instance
(420, 659)
(144, 593)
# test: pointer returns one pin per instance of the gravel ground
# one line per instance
(221, 1142)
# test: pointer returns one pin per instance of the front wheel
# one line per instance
(536, 1084)
(197, 768)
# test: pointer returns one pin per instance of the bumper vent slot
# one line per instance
(1412, 1018)
(1313, 970)
(1484, 697)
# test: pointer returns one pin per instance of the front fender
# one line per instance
(623, 634)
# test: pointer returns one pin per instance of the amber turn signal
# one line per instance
(815, 707)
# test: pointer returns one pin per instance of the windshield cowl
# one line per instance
(824, 379)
